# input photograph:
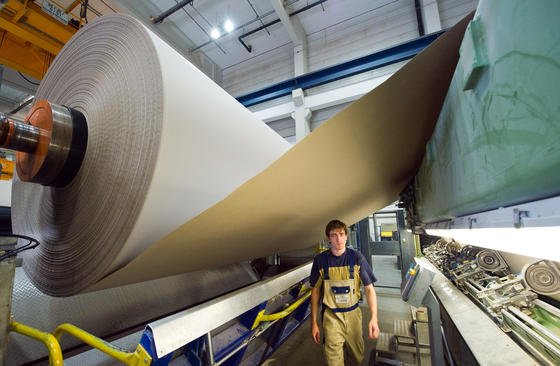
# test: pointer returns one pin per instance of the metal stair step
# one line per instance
(425, 359)
(423, 331)
(412, 349)
(403, 328)
(385, 361)
(419, 314)
(385, 343)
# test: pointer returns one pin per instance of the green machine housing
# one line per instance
(497, 140)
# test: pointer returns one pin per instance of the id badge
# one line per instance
(342, 298)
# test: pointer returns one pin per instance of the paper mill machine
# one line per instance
(491, 162)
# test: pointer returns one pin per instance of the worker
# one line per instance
(337, 274)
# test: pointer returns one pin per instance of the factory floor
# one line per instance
(299, 349)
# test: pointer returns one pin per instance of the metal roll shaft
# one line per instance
(17, 135)
(50, 143)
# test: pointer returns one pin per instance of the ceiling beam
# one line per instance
(292, 25)
(170, 32)
(172, 10)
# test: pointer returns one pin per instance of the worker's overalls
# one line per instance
(342, 318)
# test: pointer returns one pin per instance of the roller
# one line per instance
(491, 260)
(543, 277)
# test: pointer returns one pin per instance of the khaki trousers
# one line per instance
(343, 329)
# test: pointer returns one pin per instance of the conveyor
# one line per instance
(486, 278)
(454, 316)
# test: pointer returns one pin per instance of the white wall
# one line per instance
(451, 11)
(363, 35)
(14, 88)
(259, 72)
(321, 116)
(285, 128)
(389, 25)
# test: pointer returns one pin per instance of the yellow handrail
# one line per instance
(140, 357)
(136, 358)
(55, 353)
(262, 317)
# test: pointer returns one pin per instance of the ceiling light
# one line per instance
(228, 26)
(215, 33)
(538, 242)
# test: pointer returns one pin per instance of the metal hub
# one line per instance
(490, 260)
(50, 143)
(543, 277)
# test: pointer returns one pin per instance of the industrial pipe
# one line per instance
(249, 48)
(168, 12)
(419, 18)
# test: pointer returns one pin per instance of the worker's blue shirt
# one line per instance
(366, 273)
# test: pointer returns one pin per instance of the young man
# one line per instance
(336, 276)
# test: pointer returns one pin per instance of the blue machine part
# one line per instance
(194, 352)
(147, 341)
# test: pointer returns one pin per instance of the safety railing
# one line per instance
(262, 317)
(140, 357)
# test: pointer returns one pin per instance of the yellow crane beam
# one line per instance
(20, 55)
(71, 7)
(37, 20)
(30, 37)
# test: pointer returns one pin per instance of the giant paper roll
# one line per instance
(160, 191)
(164, 144)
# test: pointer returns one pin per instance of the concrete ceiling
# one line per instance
(188, 29)
(197, 19)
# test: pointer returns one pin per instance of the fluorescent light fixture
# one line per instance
(538, 242)
(228, 26)
(215, 33)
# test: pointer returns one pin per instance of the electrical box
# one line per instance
(416, 285)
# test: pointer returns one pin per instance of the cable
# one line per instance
(33, 243)
(26, 79)
(83, 11)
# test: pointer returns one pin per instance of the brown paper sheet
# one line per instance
(353, 165)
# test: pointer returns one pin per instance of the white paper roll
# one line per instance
(164, 144)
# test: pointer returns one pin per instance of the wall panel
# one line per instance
(451, 11)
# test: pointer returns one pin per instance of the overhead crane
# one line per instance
(31, 35)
